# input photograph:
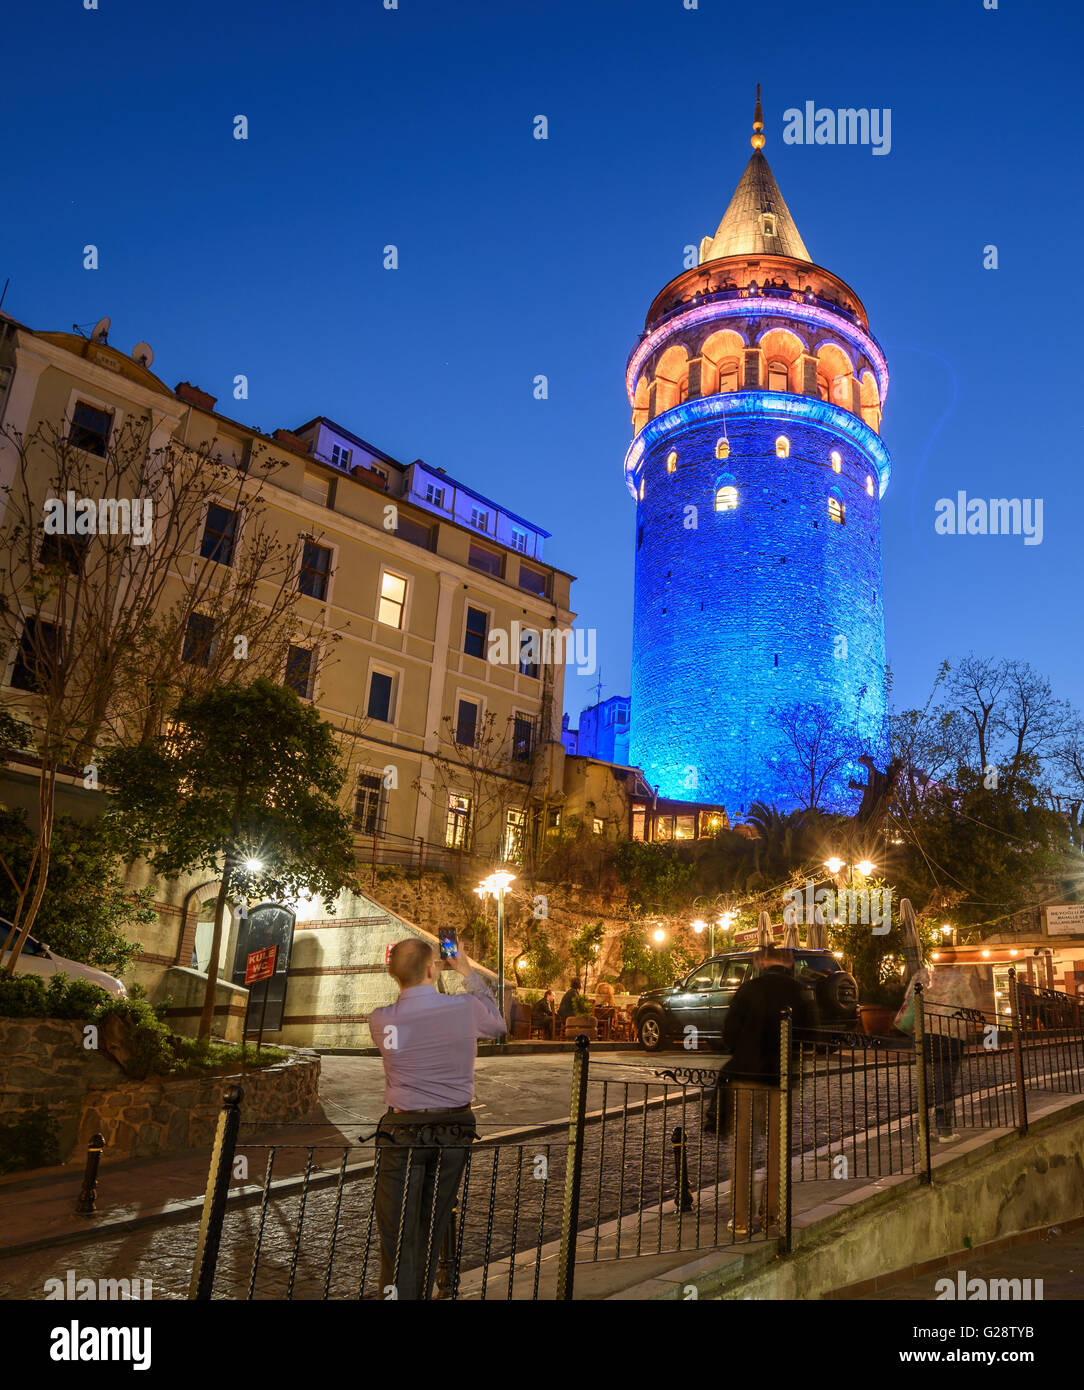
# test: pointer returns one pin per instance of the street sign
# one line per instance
(260, 965)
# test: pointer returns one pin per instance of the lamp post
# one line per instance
(494, 885)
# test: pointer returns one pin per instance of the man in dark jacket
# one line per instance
(751, 1035)
(567, 1005)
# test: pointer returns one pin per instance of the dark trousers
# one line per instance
(421, 1156)
(943, 1056)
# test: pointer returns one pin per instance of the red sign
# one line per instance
(260, 965)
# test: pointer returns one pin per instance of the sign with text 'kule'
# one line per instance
(260, 965)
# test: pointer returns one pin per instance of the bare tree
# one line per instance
(816, 747)
(107, 565)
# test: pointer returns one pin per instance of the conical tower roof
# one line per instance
(758, 221)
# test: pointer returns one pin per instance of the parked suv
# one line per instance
(703, 997)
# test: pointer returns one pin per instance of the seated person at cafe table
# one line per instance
(544, 1011)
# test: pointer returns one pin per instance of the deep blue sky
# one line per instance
(518, 256)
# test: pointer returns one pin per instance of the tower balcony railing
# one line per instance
(785, 293)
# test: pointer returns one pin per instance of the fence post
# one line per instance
(570, 1209)
(214, 1199)
(1018, 1054)
(88, 1194)
(785, 1033)
(926, 1166)
(683, 1193)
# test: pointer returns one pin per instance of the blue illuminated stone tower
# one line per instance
(758, 473)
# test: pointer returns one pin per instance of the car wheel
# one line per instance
(650, 1029)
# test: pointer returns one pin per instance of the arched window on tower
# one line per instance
(671, 462)
(641, 489)
(683, 390)
(869, 484)
(824, 389)
(778, 376)
(728, 376)
(836, 510)
(722, 448)
(837, 462)
(782, 447)
(726, 499)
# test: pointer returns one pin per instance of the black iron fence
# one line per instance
(649, 1162)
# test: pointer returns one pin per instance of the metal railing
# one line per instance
(650, 1161)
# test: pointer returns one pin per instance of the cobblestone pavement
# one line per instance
(512, 1201)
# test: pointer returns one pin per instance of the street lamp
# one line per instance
(495, 885)
(253, 866)
(658, 936)
(833, 865)
(700, 928)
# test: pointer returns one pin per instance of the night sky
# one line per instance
(521, 257)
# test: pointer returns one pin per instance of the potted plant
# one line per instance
(880, 1003)
(581, 1019)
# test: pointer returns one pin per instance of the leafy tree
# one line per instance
(86, 913)
(100, 619)
(245, 785)
(653, 875)
(661, 966)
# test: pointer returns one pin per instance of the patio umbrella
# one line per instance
(765, 934)
(817, 933)
(912, 946)
(790, 937)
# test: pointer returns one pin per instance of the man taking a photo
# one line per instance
(427, 1043)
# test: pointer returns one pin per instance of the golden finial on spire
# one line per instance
(757, 137)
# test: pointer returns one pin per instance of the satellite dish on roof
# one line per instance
(143, 353)
(101, 331)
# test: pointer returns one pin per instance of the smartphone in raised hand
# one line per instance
(449, 945)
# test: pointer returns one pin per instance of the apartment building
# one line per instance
(415, 575)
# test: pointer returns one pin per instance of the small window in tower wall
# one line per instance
(726, 499)
(869, 484)
(671, 462)
(836, 510)
(782, 447)
(722, 448)
(641, 489)
(837, 462)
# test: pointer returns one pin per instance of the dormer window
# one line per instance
(341, 456)
(769, 224)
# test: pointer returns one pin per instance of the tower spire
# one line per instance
(757, 137)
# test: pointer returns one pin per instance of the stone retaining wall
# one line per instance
(43, 1061)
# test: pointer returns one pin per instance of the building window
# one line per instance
(823, 389)
(479, 557)
(381, 696)
(63, 552)
(199, 636)
(726, 499)
(434, 494)
(522, 738)
(316, 489)
(639, 816)
(782, 447)
(457, 822)
(598, 826)
(380, 472)
(534, 581)
(341, 455)
(778, 376)
(515, 835)
(37, 655)
(528, 654)
(671, 462)
(315, 570)
(869, 484)
(836, 509)
(90, 429)
(837, 462)
(728, 377)
(369, 804)
(479, 519)
(641, 489)
(389, 611)
(466, 723)
(300, 671)
(722, 448)
(413, 532)
(219, 534)
(519, 540)
(474, 639)
(769, 225)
